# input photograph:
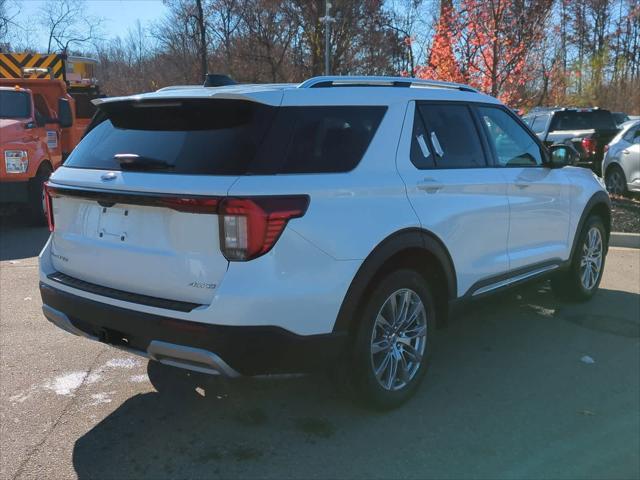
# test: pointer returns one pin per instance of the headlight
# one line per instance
(16, 161)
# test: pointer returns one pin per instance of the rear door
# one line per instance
(135, 204)
(539, 197)
(455, 193)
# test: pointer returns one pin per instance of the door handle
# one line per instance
(430, 185)
(522, 186)
(626, 152)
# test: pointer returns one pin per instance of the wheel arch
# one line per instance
(414, 248)
(600, 205)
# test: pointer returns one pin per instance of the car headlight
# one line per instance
(16, 161)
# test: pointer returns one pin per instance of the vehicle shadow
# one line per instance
(19, 238)
(502, 398)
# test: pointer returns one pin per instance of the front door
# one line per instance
(456, 195)
(539, 196)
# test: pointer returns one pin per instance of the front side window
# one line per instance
(632, 133)
(453, 135)
(512, 144)
(421, 155)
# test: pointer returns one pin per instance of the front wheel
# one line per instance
(581, 281)
(37, 205)
(392, 345)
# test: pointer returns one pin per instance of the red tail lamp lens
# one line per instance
(250, 227)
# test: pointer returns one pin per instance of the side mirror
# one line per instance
(562, 155)
(65, 118)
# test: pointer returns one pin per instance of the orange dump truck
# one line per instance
(36, 133)
(45, 107)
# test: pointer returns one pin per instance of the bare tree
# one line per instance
(67, 24)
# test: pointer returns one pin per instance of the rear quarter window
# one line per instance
(231, 137)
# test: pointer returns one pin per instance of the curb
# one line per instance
(627, 240)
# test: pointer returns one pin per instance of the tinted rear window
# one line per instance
(230, 137)
(571, 120)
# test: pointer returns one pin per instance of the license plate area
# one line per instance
(114, 223)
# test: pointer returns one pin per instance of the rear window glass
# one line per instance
(572, 120)
(230, 137)
(14, 104)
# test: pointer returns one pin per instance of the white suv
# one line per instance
(254, 229)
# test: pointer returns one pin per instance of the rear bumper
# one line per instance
(234, 349)
(14, 192)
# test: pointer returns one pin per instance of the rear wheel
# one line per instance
(615, 180)
(37, 205)
(392, 344)
(582, 279)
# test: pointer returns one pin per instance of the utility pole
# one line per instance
(327, 20)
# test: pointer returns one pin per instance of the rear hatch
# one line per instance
(135, 205)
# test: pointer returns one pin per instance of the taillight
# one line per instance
(589, 144)
(250, 227)
(48, 205)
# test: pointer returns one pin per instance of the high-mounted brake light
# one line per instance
(250, 227)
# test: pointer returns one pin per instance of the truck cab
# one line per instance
(36, 135)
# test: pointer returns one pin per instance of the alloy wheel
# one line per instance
(591, 260)
(615, 182)
(399, 339)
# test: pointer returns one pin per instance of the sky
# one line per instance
(119, 15)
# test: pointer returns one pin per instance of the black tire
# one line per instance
(568, 284)
(363, 379)
(173, 381)
(37, 210)
(615, 180)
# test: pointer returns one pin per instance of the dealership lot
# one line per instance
(522, 386)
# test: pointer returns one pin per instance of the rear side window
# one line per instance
(575, 120)
(230, 137)
(453, 135)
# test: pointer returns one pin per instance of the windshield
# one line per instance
(14, 104)
(572, 120)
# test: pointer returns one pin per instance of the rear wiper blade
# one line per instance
(133, 161)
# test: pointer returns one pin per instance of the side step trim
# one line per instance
(518, 278)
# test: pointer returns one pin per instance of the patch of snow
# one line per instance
(138, 378)
(66, 384)
(122, 363)
(99, 398)
(587, 359)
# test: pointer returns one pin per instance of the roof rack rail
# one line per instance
(380, 81)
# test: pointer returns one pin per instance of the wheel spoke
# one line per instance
(380, 346)
(383, 366)
(393, 371)
(412, 353)
(408, 336)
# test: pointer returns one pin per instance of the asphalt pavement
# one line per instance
(521, 386)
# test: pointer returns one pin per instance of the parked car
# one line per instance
(621, 163)
(620, 118)
(245, 230)
(587, 129)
